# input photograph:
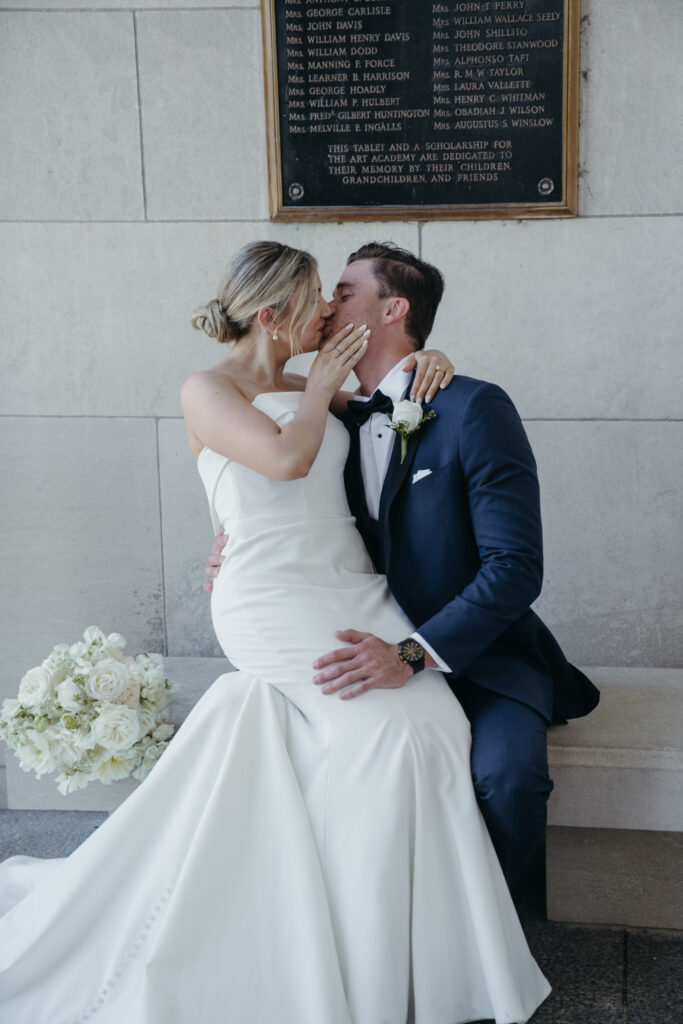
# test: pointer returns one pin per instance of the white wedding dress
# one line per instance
(293, 858)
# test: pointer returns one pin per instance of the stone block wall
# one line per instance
(134, 164)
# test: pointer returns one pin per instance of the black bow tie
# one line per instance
(360, 412)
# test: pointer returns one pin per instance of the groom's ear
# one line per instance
(396, 309)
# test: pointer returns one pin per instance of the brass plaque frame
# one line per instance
(565, 206)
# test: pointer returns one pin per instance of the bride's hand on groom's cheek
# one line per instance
(370, 663)
(216, 559)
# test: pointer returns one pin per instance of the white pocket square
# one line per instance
(420, 474)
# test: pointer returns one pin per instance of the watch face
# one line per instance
(412, 651)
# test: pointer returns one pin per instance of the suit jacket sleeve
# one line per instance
(502, 491)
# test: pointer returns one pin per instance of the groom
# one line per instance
(455, 526)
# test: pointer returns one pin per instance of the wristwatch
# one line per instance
(413, 653)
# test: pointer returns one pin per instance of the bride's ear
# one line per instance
(266, 317)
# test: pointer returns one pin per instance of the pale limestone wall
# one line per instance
(134, 163)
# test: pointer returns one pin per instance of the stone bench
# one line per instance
(615, 837)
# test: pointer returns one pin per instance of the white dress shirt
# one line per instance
(376, 446)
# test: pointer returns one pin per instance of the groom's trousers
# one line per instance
(510, 773)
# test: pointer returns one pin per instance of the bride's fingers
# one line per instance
(440, 381)
(433, 369)
(339, 337)
(450, 374)
(416, 392)
(354, 352)
(351, 341)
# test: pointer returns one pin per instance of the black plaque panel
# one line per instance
(395, 104)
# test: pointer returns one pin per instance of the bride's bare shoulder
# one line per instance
(205, 385)
(206, 398)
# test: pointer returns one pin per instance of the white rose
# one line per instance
(35, 687)
(116, 728)
(108, 680)
(131, 695)
(68, 693)
(408, 414)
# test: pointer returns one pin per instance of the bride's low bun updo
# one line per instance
(213, 319)
(261, 274)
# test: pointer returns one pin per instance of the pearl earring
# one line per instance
(275, 335)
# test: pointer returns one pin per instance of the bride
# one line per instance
(293, 858)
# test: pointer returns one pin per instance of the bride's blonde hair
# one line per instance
(261, 274)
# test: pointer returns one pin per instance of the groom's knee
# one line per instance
(512, 790)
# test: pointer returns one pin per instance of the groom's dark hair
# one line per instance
(400, 273)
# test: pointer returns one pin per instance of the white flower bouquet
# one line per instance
(89, 713)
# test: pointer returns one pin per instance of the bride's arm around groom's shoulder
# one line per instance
(432, 370)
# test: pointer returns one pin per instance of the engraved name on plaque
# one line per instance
(389, 110)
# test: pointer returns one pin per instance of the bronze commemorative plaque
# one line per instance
(406, 109)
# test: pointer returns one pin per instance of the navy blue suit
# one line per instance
(462, 551)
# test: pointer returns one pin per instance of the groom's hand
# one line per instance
(216, 559)
(368, 664)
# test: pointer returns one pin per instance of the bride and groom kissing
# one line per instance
(455, 527)
(294, 858)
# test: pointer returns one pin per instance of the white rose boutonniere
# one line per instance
(406, 418)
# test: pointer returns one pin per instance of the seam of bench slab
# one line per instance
(663, 759)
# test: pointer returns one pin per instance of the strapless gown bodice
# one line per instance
(296, 569)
